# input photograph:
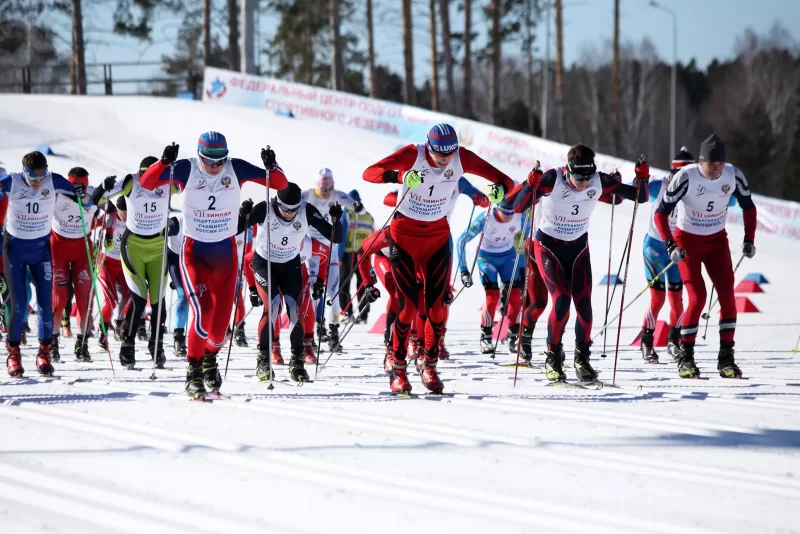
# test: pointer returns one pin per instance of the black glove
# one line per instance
(358, 207)
(335, 211)
(319, 287)
(246, 208)
(748, 249)
(172, 284)
(79, 189)
(466, 278)
(170, 154)
(372, 293)
(448, 297)
(268, 158)
(255, 298)
(109, 183)
(676, 254)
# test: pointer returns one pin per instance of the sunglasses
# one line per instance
(35, 175)
(325, 189)
(213, 162)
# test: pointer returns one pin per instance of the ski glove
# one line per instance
(170, 154)
(358, 207)
(268, 158)
(448, 297)
(246, 208)
(466, 278)
(109, 183)
(412, 179)
(372, 293)
(676, 253)
(480, 200)
(79, 189)
(642, 170)
(535, 176)
(109, 242)
(255, 298)
(319, 287)
(748, 249)
(336, 212)
(496, 193)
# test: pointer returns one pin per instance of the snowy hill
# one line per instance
(88, 453)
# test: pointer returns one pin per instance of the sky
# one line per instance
(707, 29)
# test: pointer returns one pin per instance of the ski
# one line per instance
(597, 384)
(566, 385)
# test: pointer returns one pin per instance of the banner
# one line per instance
(775, 216)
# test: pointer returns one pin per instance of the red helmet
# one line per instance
(79, 175)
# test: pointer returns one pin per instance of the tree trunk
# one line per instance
(466, 108)
(615, 85)
(434, 65)
(233, 35)
(444, 13)
(408, 54)
(370, 50)
(494, 80)
(78, 67)
(559, 74)
(206, 31)
(248, 12)
(337, 68)
(529, 57)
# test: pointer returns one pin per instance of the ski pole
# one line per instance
(325, 290)
(625, 279)
(528, 276)
(162, 273)
(87, 319)
(707, 315)
(239, 289)
(353, 298)
(240, 324)
(508, 292)
(477, 253)
(608, 275)
(355, 268)
(94, 281)
(796, 345)
(469, 223)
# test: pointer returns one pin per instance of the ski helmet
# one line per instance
(443, 139)
(212, 145)
(290, 197)
(325, 180)
(682, 159)
(146, 163)
(78, 175)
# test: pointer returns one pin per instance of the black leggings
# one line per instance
(286, 280)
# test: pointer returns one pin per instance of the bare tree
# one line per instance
(78, 64)
(337, 67)
(494, 80)
(370, 50)
(233, 35)
(528, 48)
(467, 105)
(447, 52)
(615, 87)
(206, 32)
(559, 71)
(434, 64)
(408, 53)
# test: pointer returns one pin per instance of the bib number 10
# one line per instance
(32, 207)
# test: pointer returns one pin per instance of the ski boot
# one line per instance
(322, 334)
(396, 367)
(426, 367)
(239, 339)
(66, 327)
(297, 370)
(102, 341)
(14, 361)
(513, 338)
(211, 377)
(127, 354)
(725, 363)
(43, 364)
(674, 343)
(82, 349)
(179, 342)
(264, 370)
(686, 365)
(444, 354)
(333, 338)
(277, 357)
(141, 333)
(55, 354)
(308, 351)
(194, 379)
(156, 349)
(487, 347)
(526, 351)
(648, 353)
(553, 367)
(583, 369)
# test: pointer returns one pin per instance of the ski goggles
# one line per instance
(325, 189)
(287, 208)
(34, 175)
(581, 171)
(213, 162)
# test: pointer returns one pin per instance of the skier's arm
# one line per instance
(521, 196)
(315, 219)
(257, 216)
(65, 187)
(612, 183)
(390, 169)
(676, 190)
(158, 173)
(474, 164)
(654, 188)
(372, 244)
(478, 198)
(742, 194)
(5, 187)
(469, 234)
(247, 172)
(390, 199)
(3, 211)
(345, 200)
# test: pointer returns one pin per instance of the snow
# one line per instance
(89, 453)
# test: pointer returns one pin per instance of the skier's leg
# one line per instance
(81, 280)
(692, 275)
(558, 285)
(489, 275)
(345, 268)
(656, 258)
(61, 276)
(403, 273)
(720, 271)
(132, 254)
(581, 289)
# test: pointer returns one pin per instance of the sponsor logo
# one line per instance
(201, 288)
(701, 190)
(565, 193)
(448, 173)
(48, 271)
(725, 189)
(591, 193)
(83, 276)
(226, 181)
(201, 184)
(216, 89)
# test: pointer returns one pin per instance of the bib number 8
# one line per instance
(284, 241)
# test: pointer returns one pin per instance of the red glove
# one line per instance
(642, 170)
(481, 200)
(535, 177)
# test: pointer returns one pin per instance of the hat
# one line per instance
(212, 145)
(682, 159)
(712, 149)
(325, 178)
(355, 196)
(290, 196)
(147, 162)
(443, 138)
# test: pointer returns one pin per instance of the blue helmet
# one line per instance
(443, 138)
(212, 145)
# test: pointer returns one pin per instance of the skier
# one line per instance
(285, 223)
(112, 278)
(211, 184)
(26, 248)
(361, 225)
(496, 261)
(70, 262)
(142, 250)
(322, 196)
(420, 238)
(562, 245)
(377, 246)
(656, 259)
(180, 311)
(700, 193)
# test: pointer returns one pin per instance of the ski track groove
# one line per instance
(300, 467)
